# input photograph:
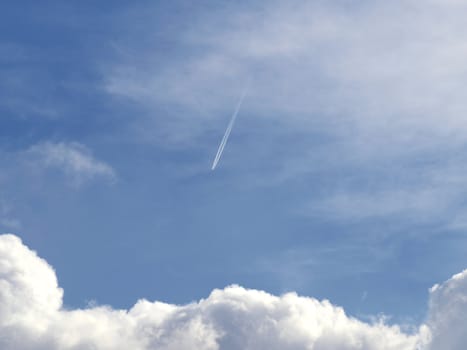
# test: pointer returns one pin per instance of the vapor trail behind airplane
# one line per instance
(227, 132)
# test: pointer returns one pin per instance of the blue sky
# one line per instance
(343, 178)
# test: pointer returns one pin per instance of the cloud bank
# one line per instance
(32, 317)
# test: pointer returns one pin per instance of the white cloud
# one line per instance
(448, 313)
(380, 83)
(74, 159)
(29, 292)
(32, 317)
(322, 61)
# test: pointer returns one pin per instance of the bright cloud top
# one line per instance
(74, 159)
(32, 317)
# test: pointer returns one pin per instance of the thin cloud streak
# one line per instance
(229, 130)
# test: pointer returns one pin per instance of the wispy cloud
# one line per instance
(300, 267)
(317, 60)
(75, 160)
(380, 94)
(7, 220)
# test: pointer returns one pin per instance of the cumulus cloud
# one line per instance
(74, 159)
(32, 317)
(448, 313)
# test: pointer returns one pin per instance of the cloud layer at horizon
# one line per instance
(32, 317)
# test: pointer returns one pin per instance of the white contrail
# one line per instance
(229, 129)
